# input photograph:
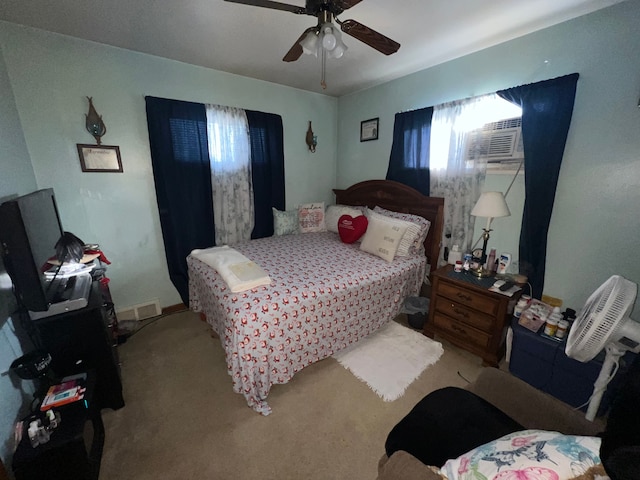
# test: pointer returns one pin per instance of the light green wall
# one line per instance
(52, 74)
(16, 177)
(594, 229)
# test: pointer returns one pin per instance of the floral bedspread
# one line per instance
(324, 296)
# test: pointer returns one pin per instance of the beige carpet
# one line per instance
(183, 421)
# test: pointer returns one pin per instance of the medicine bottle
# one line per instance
(466, 264)
(551, 326)
(520, 307)
(561, 331)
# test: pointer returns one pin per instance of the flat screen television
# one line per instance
(29, 229)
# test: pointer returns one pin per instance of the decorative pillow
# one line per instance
(334, 212)
(352, 228)
(528, 455)
(284, 223)
(311, 217)
(411, 232)
(418, 243)
(382, 237)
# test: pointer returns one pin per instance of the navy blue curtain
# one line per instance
(181, 172)
(409, 159)
(547, 108)
(267, 169)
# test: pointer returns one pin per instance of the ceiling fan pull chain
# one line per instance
(323, 84)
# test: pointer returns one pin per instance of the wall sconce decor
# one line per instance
(311, 139)
(98, 158)
(93, 121)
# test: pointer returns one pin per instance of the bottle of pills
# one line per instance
(458, 266)
(561, 331)
(520, 307)
(551, 326)
(466, 264)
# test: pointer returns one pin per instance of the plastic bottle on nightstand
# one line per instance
(491, 261)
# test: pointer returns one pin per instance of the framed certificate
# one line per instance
(369, 130)
(100, 158)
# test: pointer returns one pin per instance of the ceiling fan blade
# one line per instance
(370, 37)
(296, 50)
(269, 4)
(349, 3)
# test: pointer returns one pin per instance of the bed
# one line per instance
(324, 295)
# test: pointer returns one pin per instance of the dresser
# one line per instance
(464, 312)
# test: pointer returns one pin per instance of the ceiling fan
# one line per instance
(326, 11)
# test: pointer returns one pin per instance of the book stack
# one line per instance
(69, 390)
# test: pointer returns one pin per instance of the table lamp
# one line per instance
(490, 205)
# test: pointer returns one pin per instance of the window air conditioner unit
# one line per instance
(500, 143)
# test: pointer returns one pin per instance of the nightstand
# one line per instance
(464, 312)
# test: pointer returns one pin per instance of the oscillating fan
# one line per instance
(604, 322)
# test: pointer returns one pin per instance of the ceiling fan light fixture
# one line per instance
(309, 44)
(329, 38)
(338, 52)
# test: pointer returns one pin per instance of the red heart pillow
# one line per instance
(351, 229)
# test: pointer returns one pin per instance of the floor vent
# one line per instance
(140, 312)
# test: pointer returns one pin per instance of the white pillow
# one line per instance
(334, 212)
(418, 244)
(382, 237)
(535, 454)
(311, 217)
(411, 232)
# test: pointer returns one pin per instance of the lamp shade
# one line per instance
(491, 205)
(309, 43)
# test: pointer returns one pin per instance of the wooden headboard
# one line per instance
(400, 198)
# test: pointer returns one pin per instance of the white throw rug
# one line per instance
(390, 359)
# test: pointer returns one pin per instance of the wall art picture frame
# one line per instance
(369, 129)
(100, 158)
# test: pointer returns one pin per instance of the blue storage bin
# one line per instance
(542, 363)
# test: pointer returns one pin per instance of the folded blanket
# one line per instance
(238, 271)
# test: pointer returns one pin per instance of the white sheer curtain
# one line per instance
(452, 175)
(230, 157)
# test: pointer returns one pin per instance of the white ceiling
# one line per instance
(251, 41)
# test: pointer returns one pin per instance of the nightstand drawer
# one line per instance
(465, 314)
(461, 331)
(477, 301)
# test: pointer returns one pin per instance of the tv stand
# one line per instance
(82, 340)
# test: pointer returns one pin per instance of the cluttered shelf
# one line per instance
(54, 441)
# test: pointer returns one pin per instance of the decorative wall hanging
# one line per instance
(98, 158)
(311, 139)
(93, 121)
(369, 129)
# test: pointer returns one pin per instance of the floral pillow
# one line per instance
(284, 223)
(417, 244)
(530, 455)
(311, 217)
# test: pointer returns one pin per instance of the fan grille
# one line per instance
(601, 318)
